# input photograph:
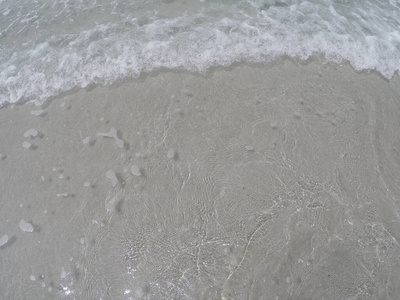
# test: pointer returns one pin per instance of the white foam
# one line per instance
(32, 277)
(26, 145)
(113, 134)
(87, 184)
(111, 175)
(62, 195)
(3, 240)
(135, 170)
(25, 226)
(202, 37)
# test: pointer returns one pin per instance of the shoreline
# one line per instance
(282, 181)
(276, 63)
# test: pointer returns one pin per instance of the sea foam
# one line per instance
(196, 38)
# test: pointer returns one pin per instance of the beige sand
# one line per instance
(276, 182)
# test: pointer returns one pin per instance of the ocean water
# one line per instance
(52, 47)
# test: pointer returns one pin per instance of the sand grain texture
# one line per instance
(284, 183)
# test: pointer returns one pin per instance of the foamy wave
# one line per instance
(197, 42)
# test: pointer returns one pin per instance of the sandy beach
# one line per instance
(254, 182)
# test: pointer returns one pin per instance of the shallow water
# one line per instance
(277, 181)
(237, 186)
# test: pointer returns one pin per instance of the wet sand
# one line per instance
(274, 182)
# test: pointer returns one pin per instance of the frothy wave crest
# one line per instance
(256, 32)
